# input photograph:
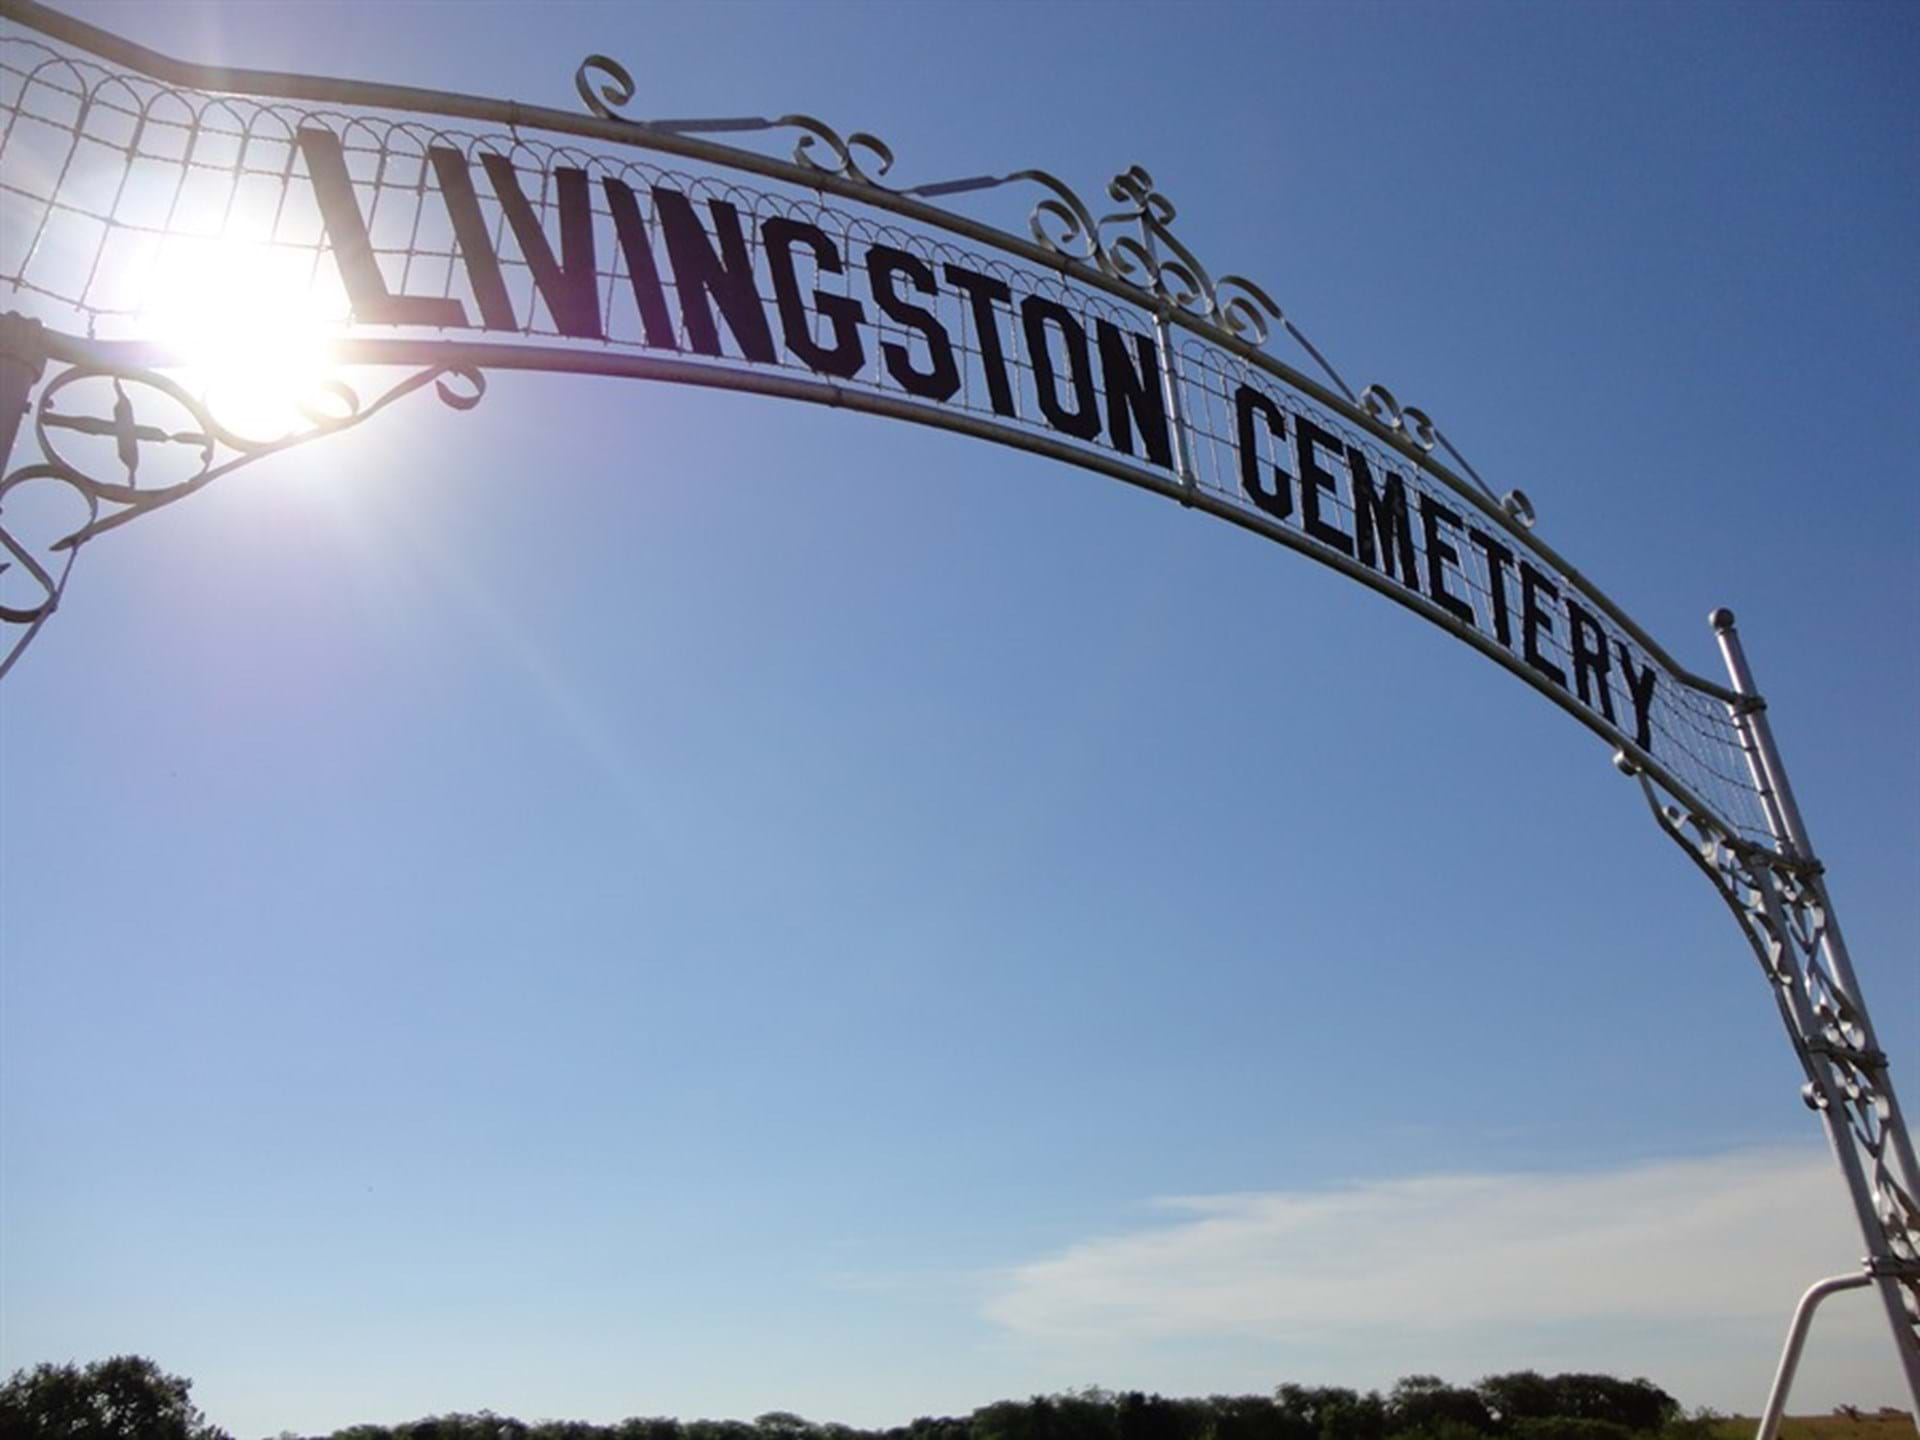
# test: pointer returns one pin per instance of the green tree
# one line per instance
(1149, 1417)
(1244, 1417)
(1570, 1427)
(650, 1427)
(1331, 1412)
(125, 1398)
(1635, 1405)
(1428, 1405)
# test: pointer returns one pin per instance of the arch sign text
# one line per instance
(426, 240)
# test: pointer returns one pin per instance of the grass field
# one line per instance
(1823, 1427)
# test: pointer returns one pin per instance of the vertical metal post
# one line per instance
(1176, 407)
(1832, 943)
(23, 356)
(1885, 1269)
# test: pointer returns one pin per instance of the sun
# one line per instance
(247, 329)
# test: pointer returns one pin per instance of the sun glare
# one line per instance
(249, 330)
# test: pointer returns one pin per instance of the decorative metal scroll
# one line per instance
(455, 232)
(96, 418)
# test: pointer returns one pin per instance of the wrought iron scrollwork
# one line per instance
(1416, 427)
(607, 88)
(607, 97)
(165, 423)
(840, 151)
(1783, 910)
(1148, 256)
(1135, 246)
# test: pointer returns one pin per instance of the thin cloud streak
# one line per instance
(1731, 1237)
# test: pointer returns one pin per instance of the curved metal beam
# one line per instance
(667, 140)
(435, 357)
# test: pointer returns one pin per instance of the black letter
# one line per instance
(1314, 479)
(1640, 687)
(1134, 393)
(1499, 557)
(476, 247)
(1533, 620)
(1440, 554)
(1278, 501)
(727, 277)
(572, 289)
(981, 292)
(939, 383)
(367, 292)
(843, 314)
(1385, 514)
(1589, 646)
(655, 322)
(1083, 420)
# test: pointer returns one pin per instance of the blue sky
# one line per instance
(632, 900)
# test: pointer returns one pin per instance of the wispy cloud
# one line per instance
(1476, 1270)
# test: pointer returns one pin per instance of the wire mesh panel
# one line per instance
(134, 212)
(1350, 494)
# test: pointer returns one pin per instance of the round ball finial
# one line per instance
(1721, 620)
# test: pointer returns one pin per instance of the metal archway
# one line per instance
(445, 236)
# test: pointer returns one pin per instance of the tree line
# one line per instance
(130, 1398)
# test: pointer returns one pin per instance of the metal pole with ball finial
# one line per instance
(1847, 1078)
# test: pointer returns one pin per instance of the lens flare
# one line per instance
(248, 328)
